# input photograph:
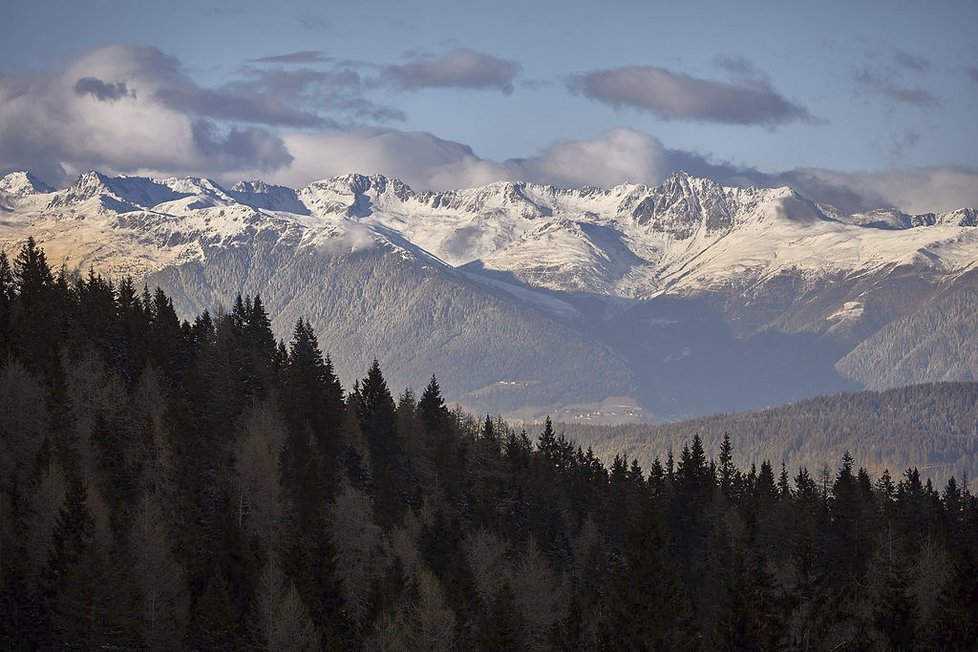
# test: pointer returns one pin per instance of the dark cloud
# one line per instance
(675, 96)
(303, 56)
(302, 98)
(910, 61)
(460, 68)
(339, 91)
(240, 148)
(973, 73)
(883, 84)
(237, 104)
(102, 91)
(900, 144)
(739, 67)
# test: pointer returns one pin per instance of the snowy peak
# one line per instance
(191, 193)
(682, 204)
(120, 194)
(960, 217)
(502, 197)
(353, 195)
(894, 219)
(261, 195)
(21, 184)
(685, 235)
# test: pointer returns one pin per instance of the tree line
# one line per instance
(933, 426)
(172, 484)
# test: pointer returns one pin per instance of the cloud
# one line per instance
(676, 96)
(303, 56)
(338, 90)
(420, 159)
(424, 161)
(915, 190)
(460, 68)
(910, 61)
(881, 83)
(901, 143)
(617, 156)
(739, 67)
(127, 109)
(240, 148)
(100, 90)
(973, 73)
(237, 103)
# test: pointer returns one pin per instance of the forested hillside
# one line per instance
(933, 427)
(933, 343)
(199, 485)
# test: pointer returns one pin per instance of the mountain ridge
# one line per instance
(632, 240)
(695, 280)
(677, 188)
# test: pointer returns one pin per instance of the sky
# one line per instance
(858, 104)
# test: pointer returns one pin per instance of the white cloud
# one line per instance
(58, 126)
(105, 110)
(423, 160)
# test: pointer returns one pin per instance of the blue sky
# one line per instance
(860, 103)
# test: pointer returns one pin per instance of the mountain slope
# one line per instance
(932, 426)
(633, 302)
(935, 342)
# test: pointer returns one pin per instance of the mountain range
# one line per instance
(632, 303)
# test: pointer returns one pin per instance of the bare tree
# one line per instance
(356, 539)
(486, 555)
(537, 594)
(425, 623)
(283, 621)
(160, 580)
(45, 503)
(259, 502)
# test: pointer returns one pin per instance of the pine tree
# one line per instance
(313, 407)
(38, 316)
(646, 607)
(7, 295)
(32, 273)
(391, 477)
(726, 469)
(784, 485)
(431, 406)
(488, 431)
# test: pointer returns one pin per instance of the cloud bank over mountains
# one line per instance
(301, 116)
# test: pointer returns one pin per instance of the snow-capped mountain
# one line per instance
(23, 183)
(750, 261)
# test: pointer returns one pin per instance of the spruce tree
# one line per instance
(378, 422)
(646, 607)
(431, 406)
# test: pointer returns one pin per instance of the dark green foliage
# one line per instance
(930, 426)
(646, 606)
(199, 485)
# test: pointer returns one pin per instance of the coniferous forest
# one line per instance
(169, 484)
